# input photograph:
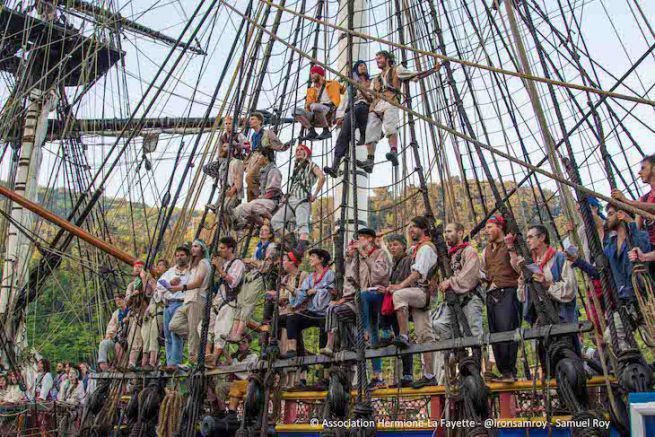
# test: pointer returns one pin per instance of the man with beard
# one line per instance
(322, 99)
(412, 294)
(344, 118)
(383, 114)
(645, 202)
(620, 225)
(188, 317)
(297, 207)
(503, 307)
(465, 283)
(176, 275)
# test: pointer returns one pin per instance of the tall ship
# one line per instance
(327, 217)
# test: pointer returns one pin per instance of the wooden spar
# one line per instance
(113, 20)
(66, 225)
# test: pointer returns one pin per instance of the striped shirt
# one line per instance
(303, 180)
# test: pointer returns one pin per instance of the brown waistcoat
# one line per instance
(498, 269)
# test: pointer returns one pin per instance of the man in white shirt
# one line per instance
(230, 272)
(411, 294)
(176, 275)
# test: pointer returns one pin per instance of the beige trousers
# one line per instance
(185, 320)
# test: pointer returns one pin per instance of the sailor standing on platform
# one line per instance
(503, 307)
(176, 275)
(412, 295)
(465, 283)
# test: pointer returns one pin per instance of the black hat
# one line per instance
(323, 254)
(366, 231)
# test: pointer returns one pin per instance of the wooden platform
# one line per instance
(58, 53)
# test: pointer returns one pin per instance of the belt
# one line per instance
(501, 289)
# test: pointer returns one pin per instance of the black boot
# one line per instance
(393, 157)
(333, 170)
(325, 135)
(366, 165)
(311, 135)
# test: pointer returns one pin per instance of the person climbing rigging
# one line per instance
(323, 97)
(645, 202)
(297, 205)
(261, 141)
(235, 169)
(344, 118)
(383, 116)
(271, 192)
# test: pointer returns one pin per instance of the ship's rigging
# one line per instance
(527, 99)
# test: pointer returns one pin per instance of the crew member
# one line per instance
(412, 294)
(322, 99)
(344, 118)
(297, 207)
(382, 113)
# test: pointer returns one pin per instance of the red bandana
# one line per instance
(550, 253)
(320, 278)
(454, 249)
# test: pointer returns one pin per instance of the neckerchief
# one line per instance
(257, 139)
(260, 251)
(122, 314)
(316, 281)
(550, 253)
(455, 249)
(415, 248)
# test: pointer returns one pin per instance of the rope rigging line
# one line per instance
(255, 78)
(444, 58)
(464, 136)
